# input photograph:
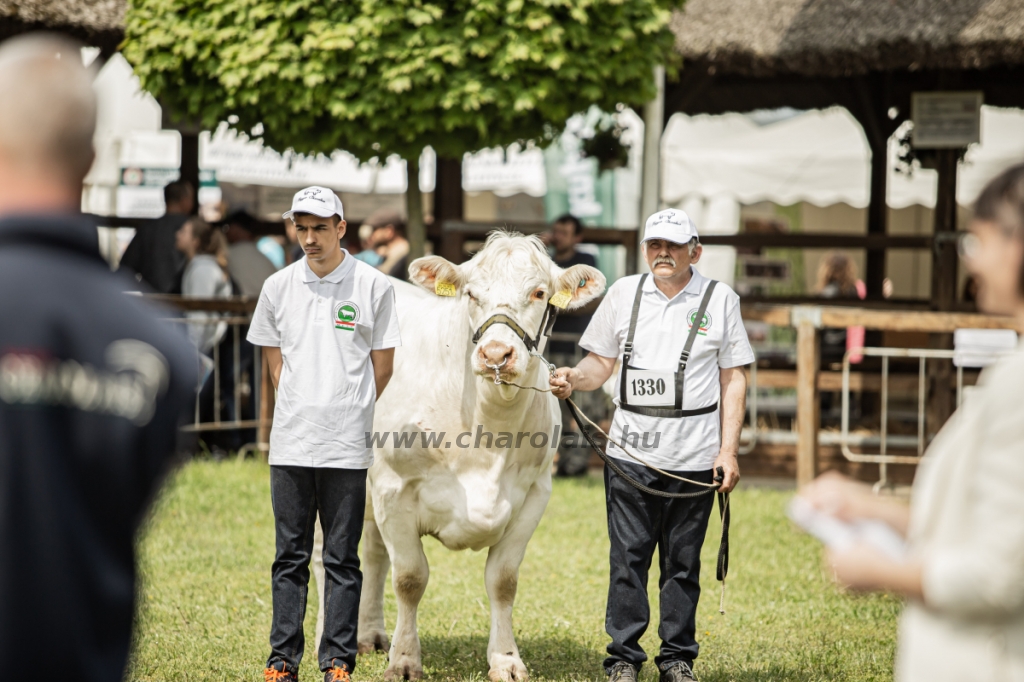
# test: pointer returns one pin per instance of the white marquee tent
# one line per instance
(821, 157)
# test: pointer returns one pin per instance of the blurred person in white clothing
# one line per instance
(205, 276)
(963, 578)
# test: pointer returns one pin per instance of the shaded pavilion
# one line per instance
(867, 56)
(99, 23)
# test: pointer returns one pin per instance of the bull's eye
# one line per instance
(539, 294)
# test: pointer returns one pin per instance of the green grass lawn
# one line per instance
(205, 596)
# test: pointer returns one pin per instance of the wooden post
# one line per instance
(941, 398)
(189, 168)
(449, 205)
(944, 260)
(266, 406)
(878, 215)
(416, 231)
(808, 402)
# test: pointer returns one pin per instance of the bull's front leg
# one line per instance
(372, 634)
(502, 579)
(409, 578)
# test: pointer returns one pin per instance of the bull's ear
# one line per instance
(577, 286)
(436, 275)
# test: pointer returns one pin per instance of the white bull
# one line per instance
(466, 492)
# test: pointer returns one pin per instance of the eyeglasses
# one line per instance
(968, 245)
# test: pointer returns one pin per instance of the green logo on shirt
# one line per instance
(345, 316)
(705, 324)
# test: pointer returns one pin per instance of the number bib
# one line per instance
(650, 387)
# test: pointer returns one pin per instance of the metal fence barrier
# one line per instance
(883, 458)
(244, 383)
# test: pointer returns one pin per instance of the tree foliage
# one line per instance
(376, 77)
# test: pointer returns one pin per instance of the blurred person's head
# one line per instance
(670, 244)
(365, 236)
(993, 249)
(837, 275)
(238, 227)
(566, 233)
(386, 226)
(47, 122)
(319, 221)
(197, 237)
(179, 197)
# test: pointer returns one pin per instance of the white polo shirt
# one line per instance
(686, 443)
(325, 329)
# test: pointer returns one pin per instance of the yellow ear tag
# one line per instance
(561, 299)
(442, 288)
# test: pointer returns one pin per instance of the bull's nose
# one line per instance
(494, 353)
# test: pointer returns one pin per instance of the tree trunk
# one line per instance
(416, 231)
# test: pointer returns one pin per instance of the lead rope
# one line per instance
(722, 568)
(551, 372)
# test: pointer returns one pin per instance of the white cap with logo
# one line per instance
(319, 201)
(671, 225)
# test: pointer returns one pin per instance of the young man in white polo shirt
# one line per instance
(681, 395)
(328, 326)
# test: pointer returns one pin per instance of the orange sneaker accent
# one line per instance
(274, 675)
(339, 673)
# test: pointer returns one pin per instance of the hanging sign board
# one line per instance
(946, 120)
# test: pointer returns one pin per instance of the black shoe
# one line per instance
(677, 671)
(338, 672)
(622, 672)
(277, 671)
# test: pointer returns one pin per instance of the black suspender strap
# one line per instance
(627, 350)
(684, 357)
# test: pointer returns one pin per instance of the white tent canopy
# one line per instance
(821, 157)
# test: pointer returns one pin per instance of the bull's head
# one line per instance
(510, 280)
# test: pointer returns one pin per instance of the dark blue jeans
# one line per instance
(637, 523)
(297, 494)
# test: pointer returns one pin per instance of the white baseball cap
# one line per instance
(319, 201)
(671, 225)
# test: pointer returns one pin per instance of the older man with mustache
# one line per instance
(681, 395)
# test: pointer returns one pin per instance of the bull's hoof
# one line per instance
(507, 669)
(375, 641)
(404, 672)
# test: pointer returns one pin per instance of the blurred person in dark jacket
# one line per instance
(152, 255)
(92, 385)
(566, 234)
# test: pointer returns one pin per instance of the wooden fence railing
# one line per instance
(809, 320)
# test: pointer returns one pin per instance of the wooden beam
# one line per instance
(818, 240)
(911, 321)
(888, 320)
(808, 403)
(833, 381)
(776, 315)
(455, 232)
(234, 304)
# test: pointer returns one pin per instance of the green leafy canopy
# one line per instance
(376, 77)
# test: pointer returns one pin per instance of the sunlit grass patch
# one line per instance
(205, 596)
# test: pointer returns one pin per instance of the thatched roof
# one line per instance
(849, 37)
(95, 22)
